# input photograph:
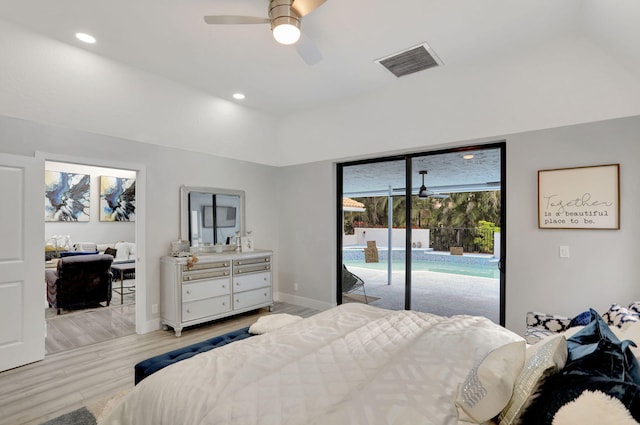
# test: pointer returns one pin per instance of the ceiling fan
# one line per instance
(425, 193)
(285, 17)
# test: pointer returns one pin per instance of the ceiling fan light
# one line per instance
(422, 193)
(286, 33)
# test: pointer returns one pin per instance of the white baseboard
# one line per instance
(302, 301)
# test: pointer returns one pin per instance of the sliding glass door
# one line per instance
(424, 231)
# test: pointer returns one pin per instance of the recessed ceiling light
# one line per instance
(468, 156)
(85, 37)
(238, 96)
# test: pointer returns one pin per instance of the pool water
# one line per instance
(488, 270)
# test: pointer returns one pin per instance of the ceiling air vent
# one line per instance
(412, 60)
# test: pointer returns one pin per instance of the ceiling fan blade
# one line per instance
(235, 20)
(308, 50)
(304, 7)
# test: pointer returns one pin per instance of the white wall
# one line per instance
(603, 267)
(568, 81)
(166, 170)
(94, 230)
(44, 80)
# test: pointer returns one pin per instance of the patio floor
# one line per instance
(438, 293)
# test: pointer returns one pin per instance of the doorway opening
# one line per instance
(425, 231)
(102, 217)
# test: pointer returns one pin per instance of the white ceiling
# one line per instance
(446, 173)
(508, 66)
(169, 38)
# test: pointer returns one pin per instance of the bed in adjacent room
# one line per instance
(353, 364)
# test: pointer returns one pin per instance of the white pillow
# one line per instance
(122, 250)
(272, 322)
(543, 358)
(489, 385)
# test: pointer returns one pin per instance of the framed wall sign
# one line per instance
(579, 198)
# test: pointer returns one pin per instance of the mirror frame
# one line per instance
(184, 206)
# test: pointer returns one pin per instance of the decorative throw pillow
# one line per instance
(635, 307)
(535, 335)
(581, 319)
(620, 316)
(550, 322)
(597, 360)
(122, 249)
(111, 251)
(543, 359)
(489, 385)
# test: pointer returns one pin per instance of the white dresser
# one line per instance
(218, 285)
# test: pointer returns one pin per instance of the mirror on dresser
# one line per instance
(210, 215)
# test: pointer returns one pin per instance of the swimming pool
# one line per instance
(422, 260)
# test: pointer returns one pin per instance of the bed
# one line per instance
(352, 364)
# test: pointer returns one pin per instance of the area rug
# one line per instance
(81, 416)
(89, 415)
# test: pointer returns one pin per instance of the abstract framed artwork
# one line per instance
(579, 198)
(66, 196)
(117, 199)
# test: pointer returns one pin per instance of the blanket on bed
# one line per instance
(353, 364)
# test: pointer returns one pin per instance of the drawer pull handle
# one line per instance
(226, 273)
(224, 303)
(188, 291)
(225, 265)
(188, 277)
(265, 294)
(237, 301)
(188, 310)
(266, 267)
(224, 286)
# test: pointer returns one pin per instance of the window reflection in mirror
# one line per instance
(211, 216)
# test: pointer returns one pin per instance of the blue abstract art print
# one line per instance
(66, 196)
(117, 199)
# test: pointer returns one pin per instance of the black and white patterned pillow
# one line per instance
(549, 322)
(620, 317)
(635, 307)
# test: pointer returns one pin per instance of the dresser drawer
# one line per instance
(251, 265)
(205, 289)
(251, 298)
(205, 274)
(206, 266)
(208, 307)
(251, 281)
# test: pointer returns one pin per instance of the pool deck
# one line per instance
(433, 292)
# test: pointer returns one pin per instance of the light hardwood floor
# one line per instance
(65, 381)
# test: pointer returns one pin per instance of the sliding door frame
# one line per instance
(501, 145)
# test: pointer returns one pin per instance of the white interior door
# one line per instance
(22, 287)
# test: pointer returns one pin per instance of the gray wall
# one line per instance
(166, 170)
(300, 200)
(602, 269)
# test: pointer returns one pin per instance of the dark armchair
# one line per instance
(80, 281)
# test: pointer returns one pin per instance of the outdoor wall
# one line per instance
(398, 237)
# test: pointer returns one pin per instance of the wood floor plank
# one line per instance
(68, 380)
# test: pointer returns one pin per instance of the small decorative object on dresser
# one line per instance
(218, 285)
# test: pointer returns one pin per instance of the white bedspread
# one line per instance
(353, 364)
